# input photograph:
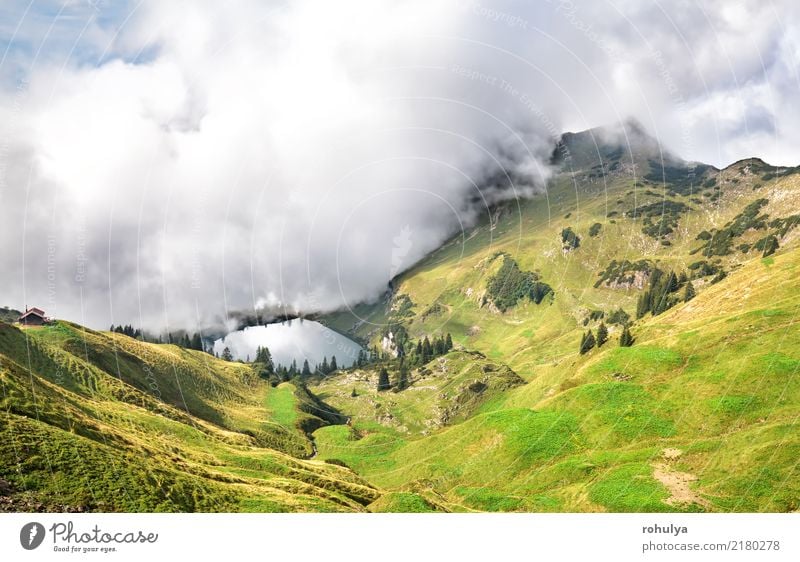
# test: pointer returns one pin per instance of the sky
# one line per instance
(165, 163)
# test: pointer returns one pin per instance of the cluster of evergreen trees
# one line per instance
(589, 341)
(326, 368)
(264, 357)
(184, 340)
(127, 330)
(427, 349)
(402, 379)
(368, 357)
(193, 342)
(661, 294)
(285, 373)
(423, 352)
(511, 284)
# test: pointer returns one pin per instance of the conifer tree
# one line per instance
(227, 355)
(626, 339)
(588, 342)
(448, 342)
(602, 334)
(402, 378)
(306, 369)
(333, 366)
(324, 368)
(427, 351)
(383, 380)
(264, 356)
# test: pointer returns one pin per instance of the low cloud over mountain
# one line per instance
(163, 163)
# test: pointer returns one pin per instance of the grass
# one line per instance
(74, 436)
(715, 379)
(514, 419)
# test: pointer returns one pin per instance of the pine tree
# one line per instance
(448, 343)
(439, 346)
(427, 351)
(333, 366)
(227, 355)
(383, 380)
(602, 334)
(306, 369)
(626, 339)
(324, 368)
(688, 292)
(264, 357)
(402, 378)
(588, 342)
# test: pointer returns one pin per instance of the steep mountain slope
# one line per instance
(97, 421)
(699, 414)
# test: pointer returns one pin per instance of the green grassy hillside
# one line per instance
(700, 414)
(98, 421)
(695, 269)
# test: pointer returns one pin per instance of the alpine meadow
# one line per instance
(626, 341)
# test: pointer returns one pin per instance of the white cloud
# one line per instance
(272, 154)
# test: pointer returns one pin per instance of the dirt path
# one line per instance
(678, 484)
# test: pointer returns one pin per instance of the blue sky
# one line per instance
(75, 32)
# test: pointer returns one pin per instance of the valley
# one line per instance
(695, 269)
